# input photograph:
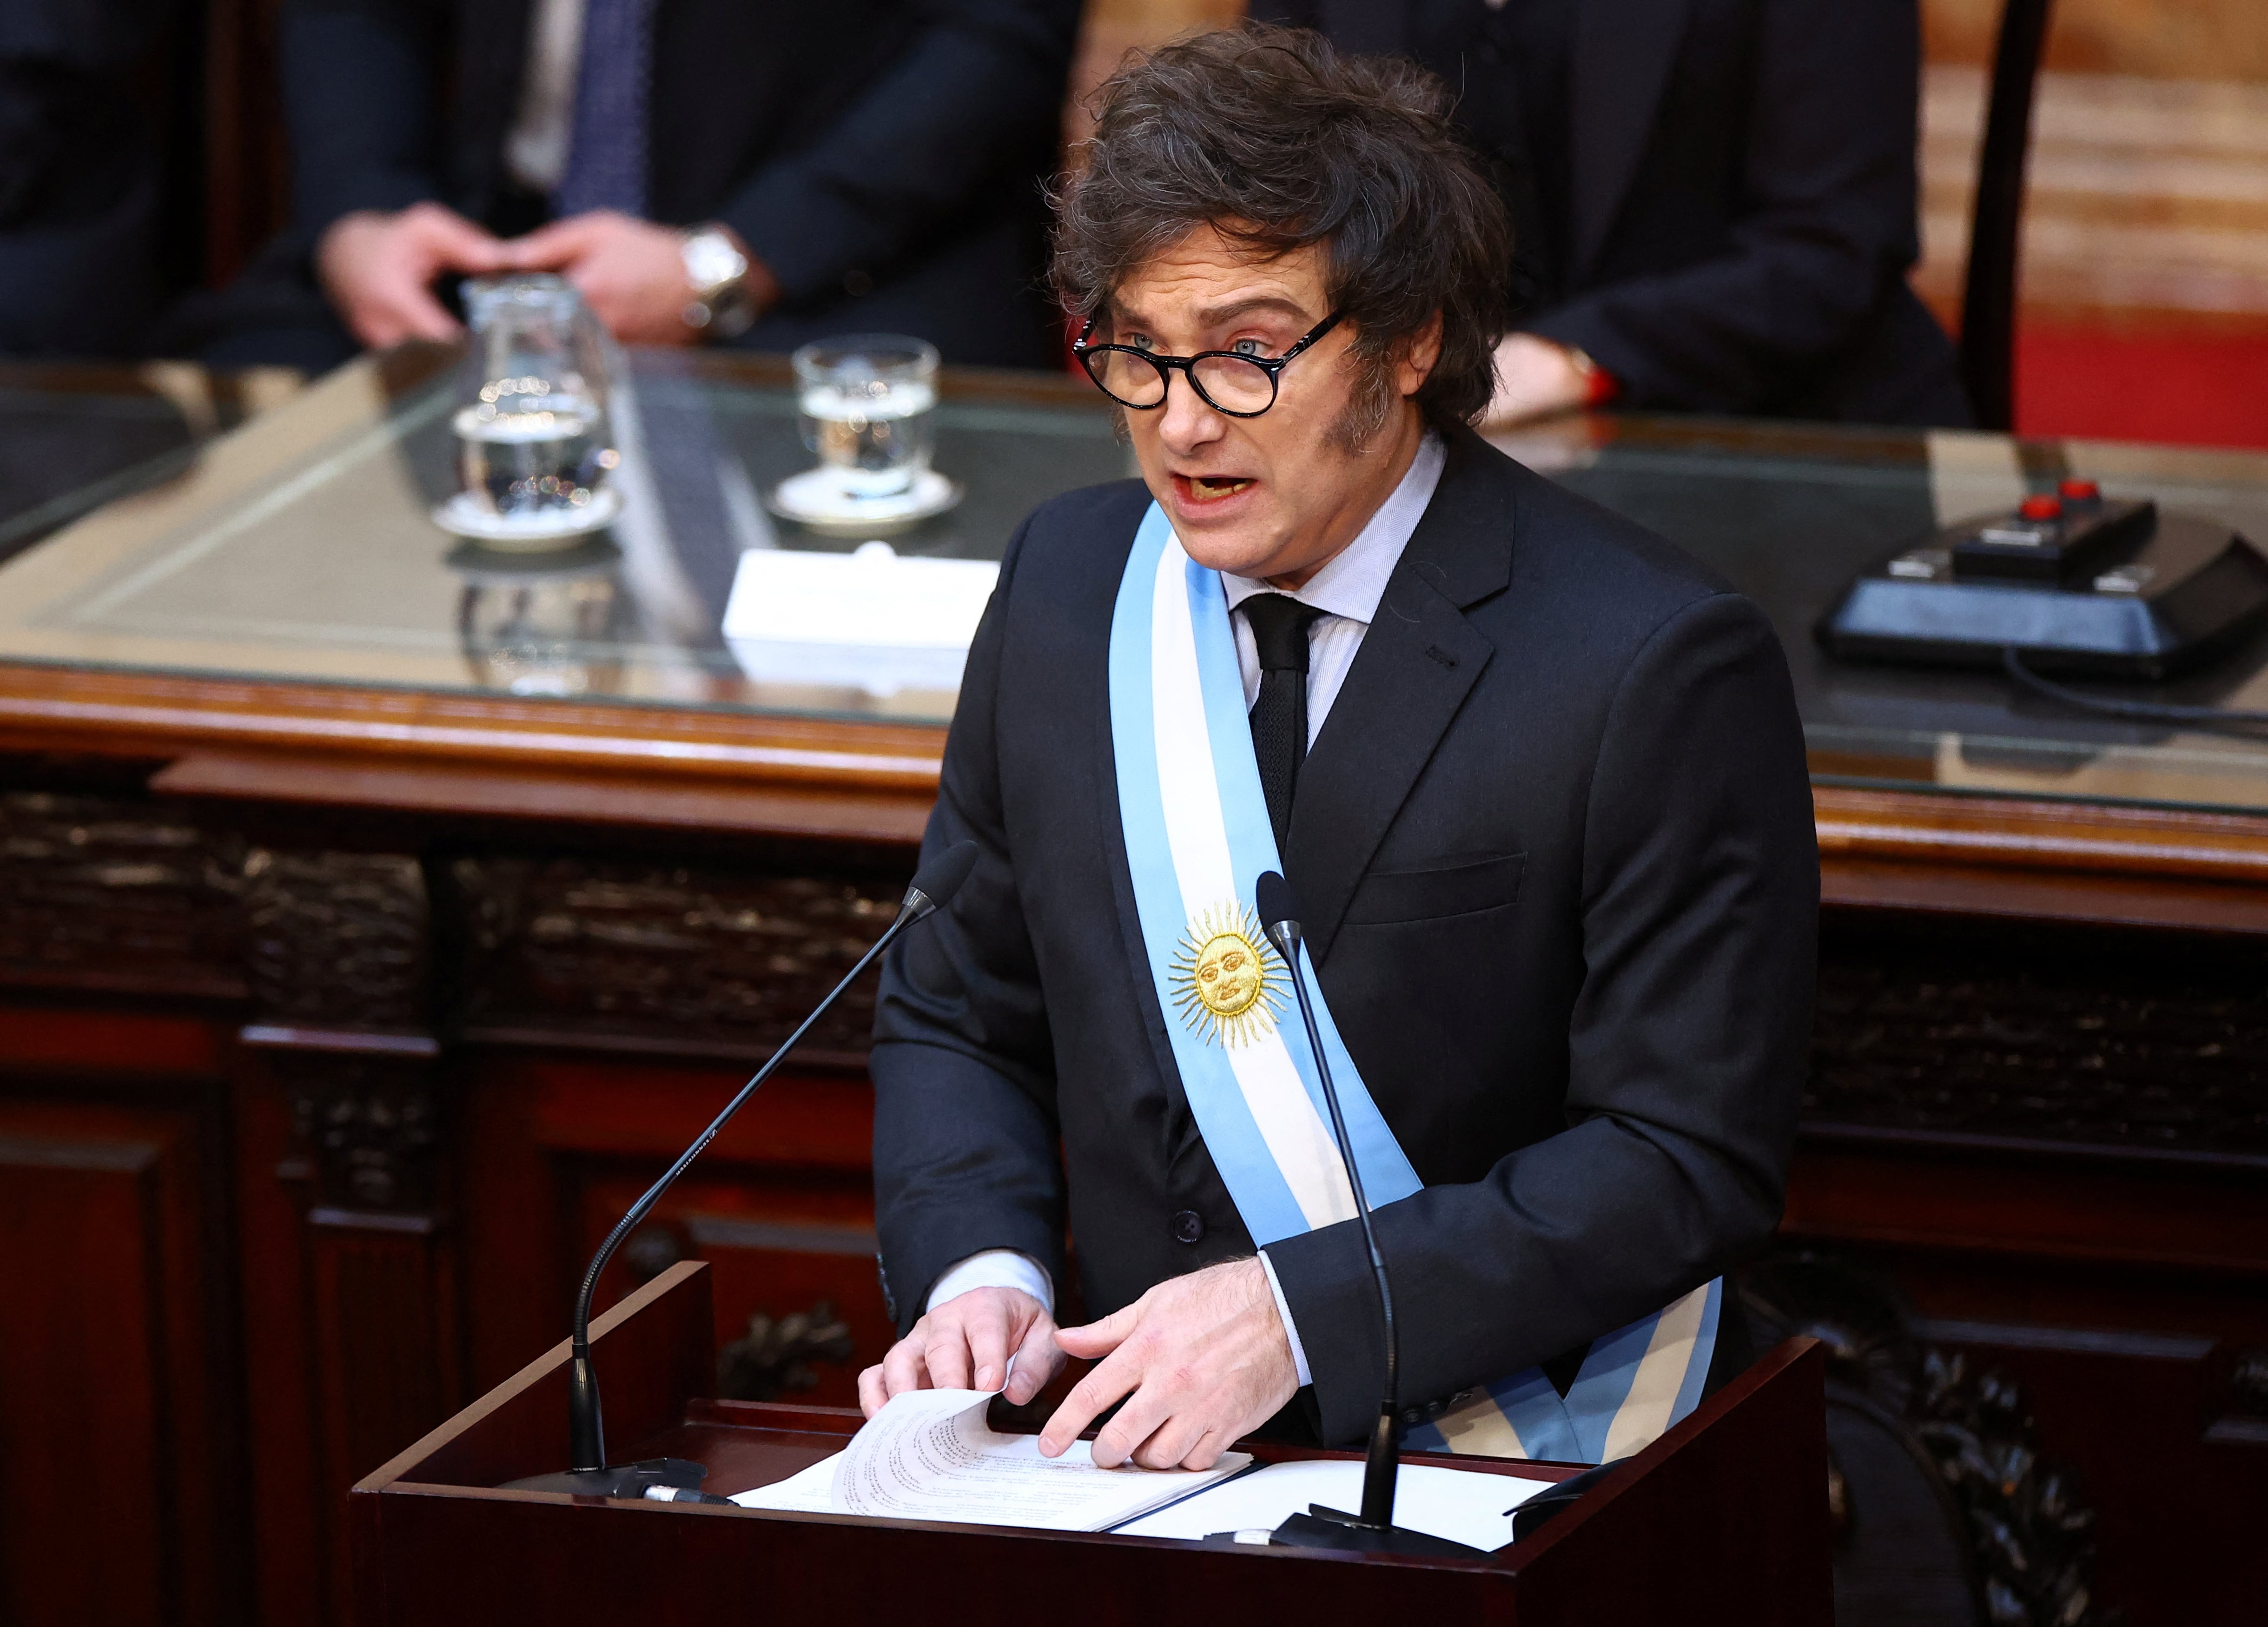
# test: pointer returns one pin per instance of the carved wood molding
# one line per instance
(1921, 826)
(160, 715)
(106, 894)
(570, 944)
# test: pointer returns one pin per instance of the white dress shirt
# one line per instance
(1347, 591)
(543, 126)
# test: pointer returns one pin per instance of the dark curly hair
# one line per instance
(1277, 141)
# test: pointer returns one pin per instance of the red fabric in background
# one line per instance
(2199, 388)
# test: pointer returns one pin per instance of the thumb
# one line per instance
(1100, 1339)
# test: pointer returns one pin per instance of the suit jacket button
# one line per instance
(1188, 1226)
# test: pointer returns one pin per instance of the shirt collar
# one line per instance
(1354, 580)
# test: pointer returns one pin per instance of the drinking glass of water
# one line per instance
(533, 448)
(868, 405)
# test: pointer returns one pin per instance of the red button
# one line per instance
(2081, 492)
(2041, 507)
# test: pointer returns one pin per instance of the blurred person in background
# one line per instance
(760, 171)
(79, 178)
(1714, 200)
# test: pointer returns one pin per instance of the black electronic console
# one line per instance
(2071, 583)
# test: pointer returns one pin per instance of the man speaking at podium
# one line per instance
(1536, 778)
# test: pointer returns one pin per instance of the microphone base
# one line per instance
(1329, 1527)
(623, 1480)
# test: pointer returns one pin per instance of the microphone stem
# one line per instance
(1381, 1466)
(587, 1430)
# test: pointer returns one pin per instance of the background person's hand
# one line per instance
(965, 1344)
(630, 271)
(1534, 378)
(1202, 1360)
(379, 269)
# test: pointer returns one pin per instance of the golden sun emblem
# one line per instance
(1226, 977)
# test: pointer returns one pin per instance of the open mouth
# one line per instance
(1213, 488)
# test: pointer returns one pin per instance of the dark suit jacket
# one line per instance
(1554, 847)
(883, 158)
(80, 176)
(1743, 192)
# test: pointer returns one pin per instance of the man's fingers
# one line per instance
(903, 1368)
(548, 247)
(424, 317)
(947, 1357)
(1098, 1339)
(1175, 1437)
(460, 246)
(1207, 1452)
(988, 1351)
(1143, 1414)
(1088, 1398)
(1038, 1358)
(873, 1392)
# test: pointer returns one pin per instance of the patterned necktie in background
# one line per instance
(1279, 717)
(606, 160)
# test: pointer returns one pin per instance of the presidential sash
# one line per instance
(1197, 837)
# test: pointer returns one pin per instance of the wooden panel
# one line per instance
(2119, 1293)
(777, 1247)
(110, 1395)
(782, 1204)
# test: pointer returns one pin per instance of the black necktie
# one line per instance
(1279, 717)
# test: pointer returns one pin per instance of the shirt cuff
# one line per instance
(1284, 1311)
(1003, 1268)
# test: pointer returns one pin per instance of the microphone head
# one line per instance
(939, 878)
(1273, 895)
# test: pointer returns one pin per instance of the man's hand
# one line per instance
(1201, 1359)
(965, 1344)
(630, 271)
(1534, 378)
(379, 269)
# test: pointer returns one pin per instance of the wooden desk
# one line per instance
(345, 998)
(1719, 1518)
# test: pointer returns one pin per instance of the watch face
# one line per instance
(710, 259)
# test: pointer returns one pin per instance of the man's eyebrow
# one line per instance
(1220, 315)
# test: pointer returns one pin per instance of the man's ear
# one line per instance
(1420, 354)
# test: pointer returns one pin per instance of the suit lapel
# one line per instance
(1622, 54)
(1417, 662)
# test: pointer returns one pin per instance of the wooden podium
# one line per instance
(1723, 1519)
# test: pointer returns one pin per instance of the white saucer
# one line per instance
(462, 515)
(816, 498)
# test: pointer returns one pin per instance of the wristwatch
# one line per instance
(716, 273)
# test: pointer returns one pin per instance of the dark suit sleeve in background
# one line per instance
(966, 1135)
(1825, 232)
(1687, 1049)
(359, 81)
(978, 85)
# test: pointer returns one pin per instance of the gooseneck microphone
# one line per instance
(1374, 1529)
(933, 888)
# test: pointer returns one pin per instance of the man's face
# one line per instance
(1276, 495)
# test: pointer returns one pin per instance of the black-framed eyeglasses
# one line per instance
(1227, 381)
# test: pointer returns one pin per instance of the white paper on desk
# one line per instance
(868, 619)
(1463, 1505)
(929, 1455)
(808, 1491)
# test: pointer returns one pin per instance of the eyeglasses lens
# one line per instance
(1228, 382)
(1127, 378)
(1235, 385)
